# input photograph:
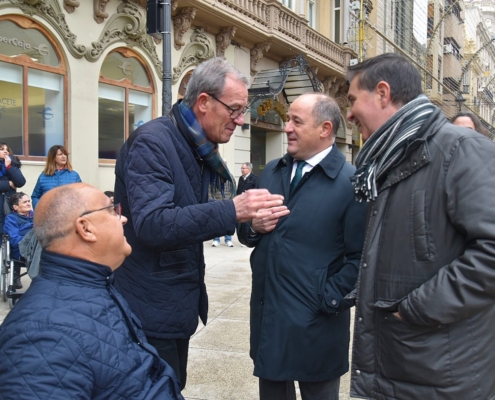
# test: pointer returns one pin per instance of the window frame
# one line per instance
(334, 12)
(127, 85)
(25, 63)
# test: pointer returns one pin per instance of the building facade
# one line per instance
(85, 73)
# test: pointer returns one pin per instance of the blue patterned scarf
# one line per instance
(207, 150)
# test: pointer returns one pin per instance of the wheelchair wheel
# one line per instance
(4, 269)
(3, 286)
(12, 302)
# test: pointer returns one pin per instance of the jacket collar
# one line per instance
(74, 270)
(417, 153)
(331, 165)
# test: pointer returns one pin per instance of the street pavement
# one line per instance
(219, 364)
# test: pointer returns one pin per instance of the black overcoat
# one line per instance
(301, 272)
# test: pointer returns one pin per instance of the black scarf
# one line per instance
(386, 146)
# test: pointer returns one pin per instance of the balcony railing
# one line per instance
(275, 23)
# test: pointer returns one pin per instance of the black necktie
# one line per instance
(297, 176)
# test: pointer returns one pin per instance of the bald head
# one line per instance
(79, 220)
(58, 209)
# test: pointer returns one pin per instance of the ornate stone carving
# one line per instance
(198, 50)
(50, 11)
(257, 55)
(99, 10)
(182, 22)
(224, 38)
(71, 5)
(175, 3)
(128, 25)
(327, 83)
(336, 87)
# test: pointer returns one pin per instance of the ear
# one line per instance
(85, 229)
(16, 208)
(202, 102)
(383, 90)
(326, 129)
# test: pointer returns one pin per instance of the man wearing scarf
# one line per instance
(425, 298)
(162, 177)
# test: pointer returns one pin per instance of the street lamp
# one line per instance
(460, 100)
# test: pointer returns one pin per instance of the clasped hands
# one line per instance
(261, 207)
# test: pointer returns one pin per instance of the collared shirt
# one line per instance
(245, 177)
(311, 162)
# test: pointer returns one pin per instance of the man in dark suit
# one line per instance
(247, 180)
(306, 259)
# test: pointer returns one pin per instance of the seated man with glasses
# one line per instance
(163, 173)
(72, 335)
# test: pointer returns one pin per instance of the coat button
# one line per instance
(360, 319)
(414, 163)
(365, 265)
(358, 372)
(334, 302)
(261, 302)
(401, 174)
(375, 212)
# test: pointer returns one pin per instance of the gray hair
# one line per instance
(326, 109)
(248, 164)
(56, 219)
(209, 77)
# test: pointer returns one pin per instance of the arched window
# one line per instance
(125, 100)
(33, 87)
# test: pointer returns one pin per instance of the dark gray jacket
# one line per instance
(301, 272)
(430, 254)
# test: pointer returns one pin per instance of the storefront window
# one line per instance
(125, 101)
(32, 98)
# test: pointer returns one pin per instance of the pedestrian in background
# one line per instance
(425, 305)
(11, 178)
(58, 171)
(247, 180)
(468, 120)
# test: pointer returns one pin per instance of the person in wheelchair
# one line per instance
(17, 224)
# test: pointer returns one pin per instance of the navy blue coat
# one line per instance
(302, 271)
(162, 185)
(14, 174)
(72, 336)
(17, 225)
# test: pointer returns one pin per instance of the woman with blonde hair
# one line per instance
(11, 178)
(58, 172)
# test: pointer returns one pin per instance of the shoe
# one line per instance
(243, 245)
(229, 243)
(215, 243)
(18, 285)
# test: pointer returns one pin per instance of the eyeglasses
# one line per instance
(117, 210)
(234, 112)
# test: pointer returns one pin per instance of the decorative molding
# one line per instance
(182, 22)
(50, 11)
(175, 3)
(224, 37)
(327, 83)
(71, 5)
(128, 25)
(337, 87)
(99, 10)
(257, 55)
(198, 50)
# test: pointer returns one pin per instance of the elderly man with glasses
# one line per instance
(163, 173)
(72, 335)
